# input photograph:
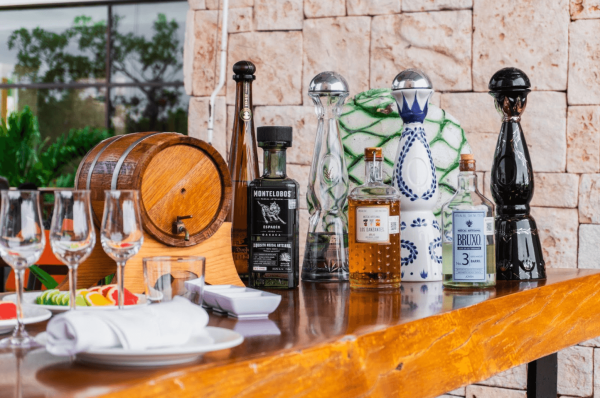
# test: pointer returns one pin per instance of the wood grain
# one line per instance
(331, 342)
(217, 251)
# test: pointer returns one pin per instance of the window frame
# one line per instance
(108, 85)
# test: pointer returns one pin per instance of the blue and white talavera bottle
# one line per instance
(414, 176)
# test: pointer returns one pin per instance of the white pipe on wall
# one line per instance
(222, 66)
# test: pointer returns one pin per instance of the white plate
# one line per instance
(190, 352)
(29, 298)
(31, 314)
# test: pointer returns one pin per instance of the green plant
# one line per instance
(26, 157)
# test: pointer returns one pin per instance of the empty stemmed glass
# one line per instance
(22, 242)
(121, 233)
(72, 234)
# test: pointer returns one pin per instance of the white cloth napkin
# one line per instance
(168, 324)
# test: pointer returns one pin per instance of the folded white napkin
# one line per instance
(160, 325)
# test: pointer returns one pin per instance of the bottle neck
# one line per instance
(373, 171)
(467, 181)
(274, 162)
(243, 155)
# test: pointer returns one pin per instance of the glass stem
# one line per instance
(73, 286)
(19, 333)
(121, 283)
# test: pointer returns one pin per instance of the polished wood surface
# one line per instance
(327, 341)
(220, 269)
(176, 176)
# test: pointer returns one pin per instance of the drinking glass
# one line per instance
(22, 242)
(72, 234)
(121, 233)
(166, 277)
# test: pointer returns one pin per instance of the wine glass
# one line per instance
(72, 233)
(121, 233)
(22, 242)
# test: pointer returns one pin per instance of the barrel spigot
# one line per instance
(179, 227)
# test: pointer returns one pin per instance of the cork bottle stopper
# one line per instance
(467, 162)
(373, 153)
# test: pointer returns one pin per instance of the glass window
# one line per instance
(53, 45)
(153, 108)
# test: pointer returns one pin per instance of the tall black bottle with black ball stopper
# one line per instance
(518, 249)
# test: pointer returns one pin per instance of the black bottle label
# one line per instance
(271, 212)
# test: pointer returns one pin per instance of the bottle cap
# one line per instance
(373, 153)
(328, 82)
(467, 162)
(269, 134)
(411, 79)
(244, 70)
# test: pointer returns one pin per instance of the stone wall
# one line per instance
(460, 44)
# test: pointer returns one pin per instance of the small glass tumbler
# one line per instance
(165, 278)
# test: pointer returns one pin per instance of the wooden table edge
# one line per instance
(421, 358)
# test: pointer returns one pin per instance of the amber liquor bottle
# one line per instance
(374, 229)
(273, 216)
(243, 164)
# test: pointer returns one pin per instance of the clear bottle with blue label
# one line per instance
(468, 247)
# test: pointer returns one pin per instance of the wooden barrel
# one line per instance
(176, 176)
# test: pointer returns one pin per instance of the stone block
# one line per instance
(530, 35)
(374, 7)
(218, 4)
(425, 41)
(589, 199)
(555, 190)
(347, 49)
(597, 373)
(584, 69)
(475, 391)
(584, 9)
(589, 241)
(239, 20)
(545, 125)
(575, 371)
(278, 14)
(435, 5)
(198, 122)
(278, 66)
(300, 173)
(483, 147)
(197, 4)
(475, 111)
(304, 122)
(462, 391)
(583, 139)
(513, 378)
(320, 9)
(558, 235)
(189, 42)
(205, 75)
(593, 342)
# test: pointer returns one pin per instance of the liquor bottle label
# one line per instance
(488, 223)
(373, 224)
(394, 224)
(271, 212)
(272, 257)
(469, 246)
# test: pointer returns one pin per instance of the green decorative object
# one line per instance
(371, 119)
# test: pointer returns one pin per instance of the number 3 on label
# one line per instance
(466, 259)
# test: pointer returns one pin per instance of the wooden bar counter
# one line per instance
(327, 341)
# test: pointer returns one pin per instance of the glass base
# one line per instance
(324, 277)
(452, 284)
(22, 342)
